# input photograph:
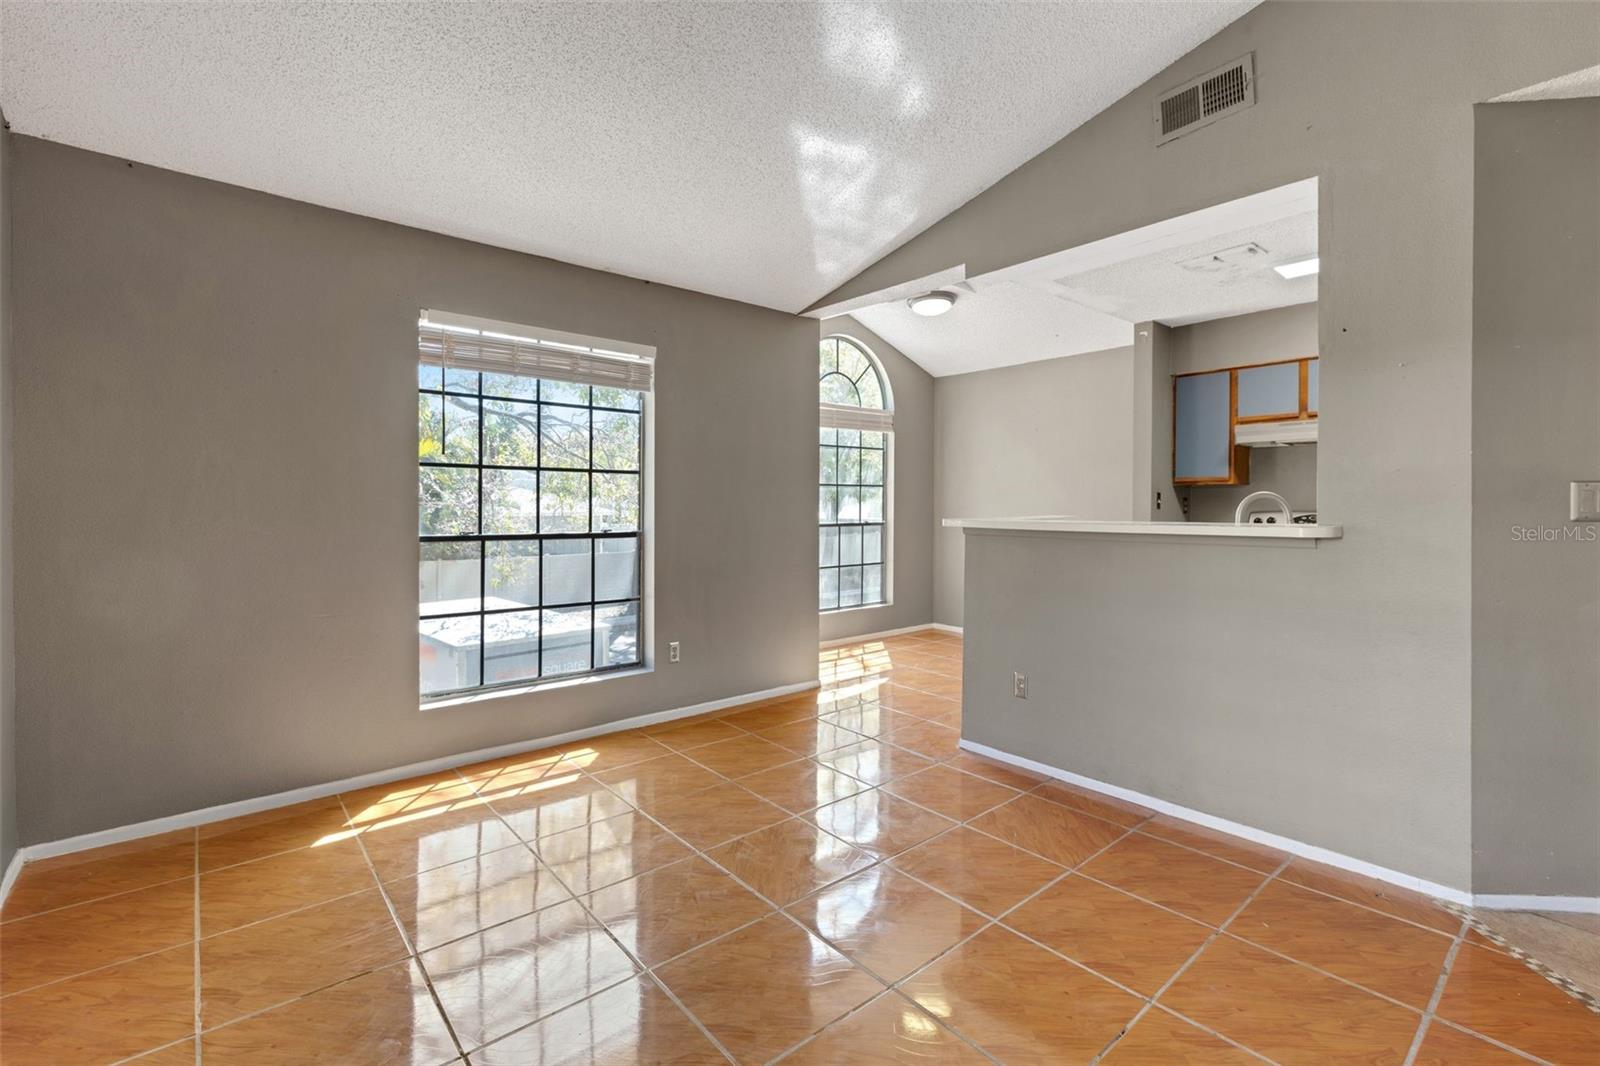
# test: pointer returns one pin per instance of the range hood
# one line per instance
(1276, 434)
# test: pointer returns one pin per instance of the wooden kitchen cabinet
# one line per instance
(1269, 392)
(1203, 452)
(1208, 407)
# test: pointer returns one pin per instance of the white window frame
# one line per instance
(880, 420)
(555, 344)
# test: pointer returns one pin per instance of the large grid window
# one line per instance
(529, 517)
(852, 506)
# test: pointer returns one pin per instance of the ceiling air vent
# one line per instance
(1227, 89)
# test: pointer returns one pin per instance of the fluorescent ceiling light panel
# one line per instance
(1303, 268)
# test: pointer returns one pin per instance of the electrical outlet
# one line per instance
(674, 653)
(1019, 686)
(1586, 501)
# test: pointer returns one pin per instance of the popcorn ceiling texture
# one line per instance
(763, 152)
(1051, 314)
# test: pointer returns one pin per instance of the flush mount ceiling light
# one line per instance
(932, 303)
(1303, 268)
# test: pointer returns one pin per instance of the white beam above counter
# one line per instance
(1169, 529)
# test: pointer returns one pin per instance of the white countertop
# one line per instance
(1061, 524)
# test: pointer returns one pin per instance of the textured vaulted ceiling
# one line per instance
(765, 152)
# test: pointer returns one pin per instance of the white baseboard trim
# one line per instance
(34, 852)
(956, 630)
(1566, 904)
(836, 642)
(13, 868)
(1211, 821)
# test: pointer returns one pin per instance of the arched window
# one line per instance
(857, 420)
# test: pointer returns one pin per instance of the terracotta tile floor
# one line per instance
(822, 879)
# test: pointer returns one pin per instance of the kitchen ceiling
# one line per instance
(1212, 263)
(995, 325)
(1216, 277)
(763, 152)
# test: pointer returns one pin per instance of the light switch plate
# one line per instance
(1586, 501)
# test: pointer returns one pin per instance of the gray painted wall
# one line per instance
(912, 522)
(1154, 498)
(1386, 613)
(1051, 437)
(1535, 602)
(1263, 337)
(216, 490)
(1121, 638)
(8, 690)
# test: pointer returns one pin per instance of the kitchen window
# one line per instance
(531, 493)
(857, 433)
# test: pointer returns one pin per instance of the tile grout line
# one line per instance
(1077, 871)
(694, 1019)
(1297, 884)
(1319, 970)
(775, 909)
(412, 956)
(1126, 831)
(201, 936)
(1430, 1014)
(141, 1056)
(1146, 1003)
(788, 815)
(1526, 1056)
(895, 987)
(643, 971)
(1368, 909)
(1268, 877)
(95, 969)
(990, 921)
(292, 999)
(1438, 994)
(1272, 872)
(1190, 961)
(1357, 903)
(1035, 791)
(1263, 947)
(888, 992)
(572, 897)
(96, 899)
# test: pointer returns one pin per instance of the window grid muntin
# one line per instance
(537, 401)
(861, 525)
(831, 362)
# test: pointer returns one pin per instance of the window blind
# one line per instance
(494, 352)
(843, 416)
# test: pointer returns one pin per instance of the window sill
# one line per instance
(852, 610)
(486, 695)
